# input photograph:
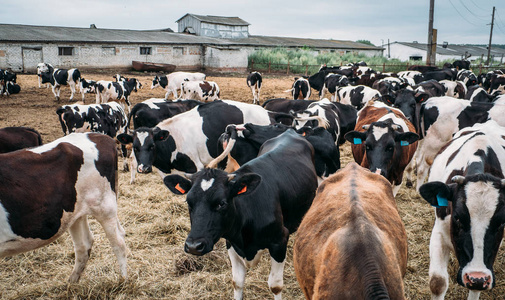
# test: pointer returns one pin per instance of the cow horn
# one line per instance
(229, 147)
(366, 126)
(458, 179)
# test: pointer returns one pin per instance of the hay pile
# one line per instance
(156, 224)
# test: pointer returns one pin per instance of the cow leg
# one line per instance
(278, 258)
(133, 167)
(40, 81)
(166, 94)
(409, 172)
(174, 91)
(238, 270)
(57, 95)
(107, 216)
(72, 90)
(275, 279)
(440, 248)
(83, 241)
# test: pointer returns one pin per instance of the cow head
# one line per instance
(210, 197)
(156, 82)
(119, 78)
(477, 222)
(407, 100)
(144, 145)
(260, 133)
(383, 141)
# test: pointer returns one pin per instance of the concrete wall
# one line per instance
(25, 57)
(217, 59)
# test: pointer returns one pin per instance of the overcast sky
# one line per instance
(457, 21)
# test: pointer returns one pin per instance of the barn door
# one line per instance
(31, 57)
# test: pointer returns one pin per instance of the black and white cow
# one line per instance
(58, 77)
(172, 82)
(57, 185)
(11, 88)
(200, 90)
(254, 80)
(442, 117)
(286, 105)
(461, 64)
(116, 91)
(416, 75)
(444, 74)
(42, 67)
(87, 86)
(150, 112)
(340, 118)
(478, 94)
(188, 141)
(357, 96)
(248, 138)
(256, 207)
(467, 187)
(332, 82)
(300, 89)
(107, 118)
(431, 87)
(8, 84)
(497, 84)
(485, 79)
(467, 76)
(15, 138)
(456, 89)
(316, 81)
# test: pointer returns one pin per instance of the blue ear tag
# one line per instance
(357, 141)
(404, 143)
(442, 202)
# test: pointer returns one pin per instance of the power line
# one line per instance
(462, 15)
(478, 6)
(501, 21)
(484, 18)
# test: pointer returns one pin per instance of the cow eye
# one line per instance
(389, 148)
(368, 147)
(221, 205)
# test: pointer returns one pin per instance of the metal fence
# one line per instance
(306, 70)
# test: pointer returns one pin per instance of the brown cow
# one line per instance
(383, 141)
(15, 138)
(352, 243)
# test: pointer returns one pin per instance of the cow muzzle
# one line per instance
(197, 247)
(477, 280)
(143, 169)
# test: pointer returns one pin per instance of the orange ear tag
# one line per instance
(243, 190)
(303, 134)
(178, 187)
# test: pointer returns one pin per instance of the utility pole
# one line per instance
(429, 54)
(490, 38)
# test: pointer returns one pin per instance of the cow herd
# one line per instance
(255, 174)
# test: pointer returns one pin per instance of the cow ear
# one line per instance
(125, 138)
(436, 193)
(422, 97)
(406, 138)
(177, 184)
(60, 111)
(244, 184)
(389, 100)
(355, 137)
(160, 134)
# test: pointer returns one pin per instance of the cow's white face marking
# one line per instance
(142, 136)
(378, 132)
(482, 200)
(206, 184)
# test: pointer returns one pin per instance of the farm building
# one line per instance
(417, 51)
(206, 43)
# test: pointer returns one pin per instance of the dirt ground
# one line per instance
(156, 224)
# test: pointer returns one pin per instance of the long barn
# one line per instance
(209, 43)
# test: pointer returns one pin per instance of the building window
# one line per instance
(416, 57)
(65, 51)
(145, 50)
(178, 51)
(109, 50)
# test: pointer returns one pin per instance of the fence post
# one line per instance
(383, 67)
(252, 64)
(407, 66)
(307, 68)
(269, 64)
(287, 72)
(480, 68)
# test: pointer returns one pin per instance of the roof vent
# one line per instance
(445, 44)
(93, 26)
(414, 42)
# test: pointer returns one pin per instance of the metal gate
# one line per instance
(31, 57)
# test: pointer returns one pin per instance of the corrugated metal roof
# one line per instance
(43, 34)
(234, 21)
(460, 50)
(272, 41)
